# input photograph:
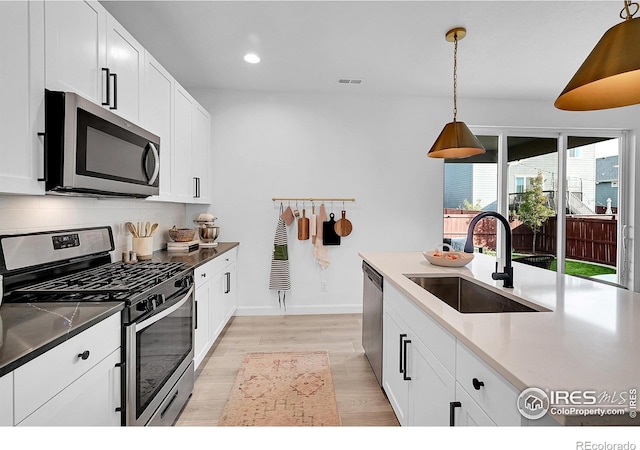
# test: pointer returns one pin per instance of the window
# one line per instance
(470, 185)
(575, 153)
(523, 183)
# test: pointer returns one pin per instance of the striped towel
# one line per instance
(280, 279)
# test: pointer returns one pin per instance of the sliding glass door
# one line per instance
(560, 191)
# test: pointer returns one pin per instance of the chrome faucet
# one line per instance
(507, 275)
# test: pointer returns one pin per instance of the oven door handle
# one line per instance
(164, 313)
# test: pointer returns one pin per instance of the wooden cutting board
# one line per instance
(303, 227)
(343, 226)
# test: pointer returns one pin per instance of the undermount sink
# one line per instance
(467, 297)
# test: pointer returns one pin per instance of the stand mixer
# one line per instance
(207, 232)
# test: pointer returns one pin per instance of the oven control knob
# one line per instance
(184, 282)
(160, 299)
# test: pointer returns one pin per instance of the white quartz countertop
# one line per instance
(588, 340)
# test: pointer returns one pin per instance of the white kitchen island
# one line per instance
(588, 339)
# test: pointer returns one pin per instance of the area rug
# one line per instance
(283, 389)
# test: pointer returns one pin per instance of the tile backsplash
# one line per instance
(26, 214)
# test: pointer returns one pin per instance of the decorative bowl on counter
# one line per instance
(182, 234)
(448, 258)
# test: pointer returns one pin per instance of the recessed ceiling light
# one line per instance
(252, 58)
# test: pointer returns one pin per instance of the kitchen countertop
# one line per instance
(588, 340)
(196, 258)
(29, 329)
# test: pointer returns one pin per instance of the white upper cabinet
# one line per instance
(156, 115)
(183, 185)
(22, 97)
(90, 53)
(201, 155)
(125, 61)
(75, 48)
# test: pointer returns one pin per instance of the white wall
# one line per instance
(305, 145)
(372, 148)
(26, 214)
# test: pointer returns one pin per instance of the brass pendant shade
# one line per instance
(610, 76)
(455, 139)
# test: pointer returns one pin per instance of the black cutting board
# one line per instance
(329, 235)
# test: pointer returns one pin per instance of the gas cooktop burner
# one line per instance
(112, 281)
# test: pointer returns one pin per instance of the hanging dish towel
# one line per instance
(320, 252)
(280, 279)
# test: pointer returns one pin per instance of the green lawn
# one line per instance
(584, 269)
(573, 267)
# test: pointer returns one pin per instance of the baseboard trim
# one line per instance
(298, 310)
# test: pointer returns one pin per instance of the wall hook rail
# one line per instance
(312, 199)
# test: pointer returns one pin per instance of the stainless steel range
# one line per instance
(157, 332)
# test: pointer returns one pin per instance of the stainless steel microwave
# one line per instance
(89, 150)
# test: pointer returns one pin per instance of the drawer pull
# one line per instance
(477, 384)
(204, 275)
(84, 355)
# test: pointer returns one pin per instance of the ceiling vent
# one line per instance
(349, 80)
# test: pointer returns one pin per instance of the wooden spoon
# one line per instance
(154, 227)
(343, 226)
(132, 229)
(147, 229)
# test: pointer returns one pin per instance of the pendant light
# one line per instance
(455, 140)
(610, 76)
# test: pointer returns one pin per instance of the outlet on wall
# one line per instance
(323, 286)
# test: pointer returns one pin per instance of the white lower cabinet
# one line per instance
(465, 412)
(488, 389)
(202, 341)
(6, 400)
(417, 384)
(91, 400)
(76, 383)
(431, 378)
(215, 301)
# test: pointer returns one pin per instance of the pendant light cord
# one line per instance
(455, 76)
(626, 13)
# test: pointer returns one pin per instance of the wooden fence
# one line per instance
(592, 239)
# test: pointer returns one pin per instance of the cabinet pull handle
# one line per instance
(228, 289)
(115, 91)
(404, 375)
(452, 412)
(195, 313)
(122, 366)
(477, 384)
(44, 155)
(196, 187)
(401, 353)
(106, 70)
(84, 355)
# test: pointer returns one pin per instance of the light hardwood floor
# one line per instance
(361, 401)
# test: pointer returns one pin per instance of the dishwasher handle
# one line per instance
(373, 276)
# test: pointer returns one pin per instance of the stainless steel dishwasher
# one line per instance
(372, 318)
